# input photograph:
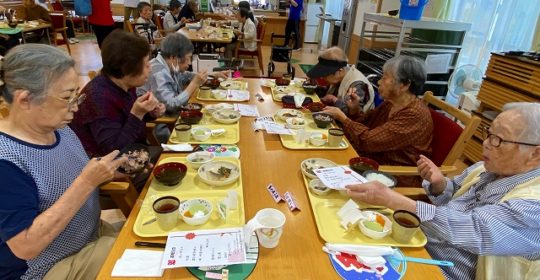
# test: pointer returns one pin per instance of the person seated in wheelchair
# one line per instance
(399, 130)
(248, 33)
(144, 26)
(342, 78)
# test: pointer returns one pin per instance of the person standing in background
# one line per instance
(130, 9)
(293, 22)
(101, 20)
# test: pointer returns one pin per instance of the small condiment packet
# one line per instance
(177, 147)
(351, 218)
(232, 200)
(299, 100)
(218, 131)
(274, 193)
(222, 209)
(291, 201)
(349, 205)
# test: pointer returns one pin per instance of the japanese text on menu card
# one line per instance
(204, 248)
(338, 177)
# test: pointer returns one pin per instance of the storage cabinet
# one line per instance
(508, 79)
(384, 36)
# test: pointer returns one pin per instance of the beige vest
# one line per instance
(506, 267)
(352, 76)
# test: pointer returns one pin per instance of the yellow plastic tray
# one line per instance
(231, 135)
(289, 142)
(293, 88)
(190, 187)
(325, 210)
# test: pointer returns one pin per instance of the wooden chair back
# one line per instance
(58, 22)
(445, 151)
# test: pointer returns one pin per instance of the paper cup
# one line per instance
(166, 211)
(268, 225)
(335, 135)
(204, 92)
(183, 132)
(404, 226)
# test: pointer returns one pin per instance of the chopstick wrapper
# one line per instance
(138, 263)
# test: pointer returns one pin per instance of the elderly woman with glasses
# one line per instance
(49, 205)
(400, 129)
(486, 219)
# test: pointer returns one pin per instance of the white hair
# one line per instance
(530, 113)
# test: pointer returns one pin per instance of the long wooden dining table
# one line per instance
(264, 160)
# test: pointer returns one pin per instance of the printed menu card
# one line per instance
(338, 177)
(204, 248)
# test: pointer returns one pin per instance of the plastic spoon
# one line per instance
(424, 261)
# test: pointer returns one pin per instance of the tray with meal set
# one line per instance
(278, 92)
(229, 90)
(213, 182)
(325, 204)
(214, 124)
(311, 131)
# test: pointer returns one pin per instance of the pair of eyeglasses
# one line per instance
(72, 101)
(496, 141)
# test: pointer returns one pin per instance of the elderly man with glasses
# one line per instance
(485, 220)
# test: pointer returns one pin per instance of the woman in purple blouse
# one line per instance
(112, 116)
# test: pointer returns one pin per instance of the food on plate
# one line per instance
(220, 173)
(137, 161)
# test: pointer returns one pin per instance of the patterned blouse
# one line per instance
(397, 139)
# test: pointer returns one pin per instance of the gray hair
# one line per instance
(530, 113)
(176, 45)
(407, 70)
(33, 67)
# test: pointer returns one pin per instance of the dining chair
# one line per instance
(449, 139)
(58, 21)
(239, 51)
(76, 20)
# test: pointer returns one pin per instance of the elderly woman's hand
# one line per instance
(101, 170)
(431, 173)
(222, 74)
(329, 99)
(353, 101)
(144, 104)
(336, 113)
(158, 111)
(200, 78)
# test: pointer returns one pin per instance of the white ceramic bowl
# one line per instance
(214, 107)
(228, 84)
(201, 133)
(219, 94)
(318, 139)
(284, 114)
(296, 123)
(196, 211)
(318, 188)
(308, 165)
(197, 159)
(387, 228)
(210, 173)
(226, 116)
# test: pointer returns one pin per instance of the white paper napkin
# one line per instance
(141, 263)
(177, 147)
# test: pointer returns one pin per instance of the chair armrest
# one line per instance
(123, 194)
(114, 187)
(413, 193)
(411, 170)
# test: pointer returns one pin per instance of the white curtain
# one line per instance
(335, 8)
(497, 25)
